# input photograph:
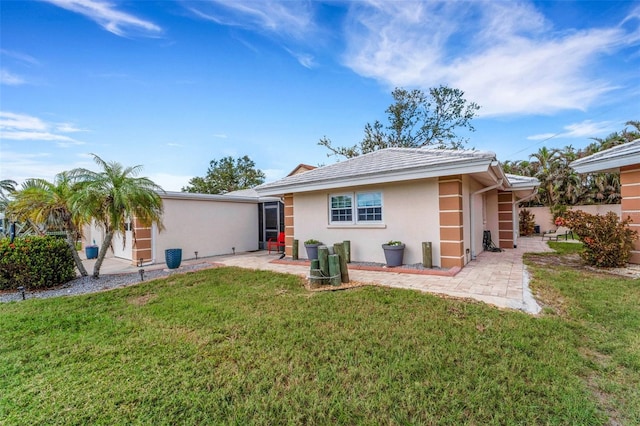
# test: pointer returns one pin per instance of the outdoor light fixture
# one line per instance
(21, 289)
(141, 271)
(196, 254)
(233, 249)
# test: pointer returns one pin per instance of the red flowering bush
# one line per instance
(607, 240)
(35, 262)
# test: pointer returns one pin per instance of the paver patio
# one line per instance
(499, 278)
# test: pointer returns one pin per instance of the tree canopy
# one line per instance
(226, 175)
(561, 185)
(416, 119)
(49, 204)
(112, 197)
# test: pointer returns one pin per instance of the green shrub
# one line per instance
(607, 240)
(35, 262)
(527, 222)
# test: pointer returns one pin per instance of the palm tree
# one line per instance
(546, 170)
(114, 195)
(42, 202)
(7, 187)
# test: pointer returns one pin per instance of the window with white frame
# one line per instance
(341, 208)
(367, 208)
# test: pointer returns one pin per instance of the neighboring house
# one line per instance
(301, 168)
(623, 159)
(446, 197)
(207, 224)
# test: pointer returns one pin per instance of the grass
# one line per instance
(232, 346)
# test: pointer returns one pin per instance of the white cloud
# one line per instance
(290, 22)
(21, 57)
(21, 166)
(169, 182)
(68, 128)
(506, 56)
(585, 129)
(289, 18)
(541, 136)
(305, 59)
(13, 121)
(22, 127)
(107, 16)
(10, 79)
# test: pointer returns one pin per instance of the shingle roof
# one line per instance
(609, 159)
(385, 165)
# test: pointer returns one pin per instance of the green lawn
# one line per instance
(243, 347)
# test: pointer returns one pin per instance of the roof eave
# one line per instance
(380, 178)
(171, 195)
(602, 165)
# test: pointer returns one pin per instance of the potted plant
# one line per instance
(393, 252)
(311, 245)
(173, 257)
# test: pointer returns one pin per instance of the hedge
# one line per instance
(35, 263)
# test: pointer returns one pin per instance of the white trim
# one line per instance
(358, 226)
(354, 210)
(378, 178)
(170, 195)
(609, 160)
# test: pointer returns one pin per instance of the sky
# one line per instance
(173, 84)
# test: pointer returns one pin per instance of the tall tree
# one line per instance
(7, 187)
(49, 204)
(227, 175)
(112, 197)
(545, 163)
(416, 119)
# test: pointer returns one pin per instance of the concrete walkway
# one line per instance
(499, 279)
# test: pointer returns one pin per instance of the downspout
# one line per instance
(471, 227)
(516, 220)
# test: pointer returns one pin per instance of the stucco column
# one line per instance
(142, 243)
(288, 224)
(630, 205)
(451, 221)
(505, 219)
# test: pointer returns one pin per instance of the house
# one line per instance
(202, 225)
(446, 197)
(623, 159)
(301, 168)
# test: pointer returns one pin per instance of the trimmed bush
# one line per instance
(607, 240)
(35, 262)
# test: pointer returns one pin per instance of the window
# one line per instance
(367, 208)
(341, 208)
(370, 207)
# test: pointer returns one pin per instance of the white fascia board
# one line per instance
(603, 165)
(170, 195)
(517, 186)
(380, 178)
